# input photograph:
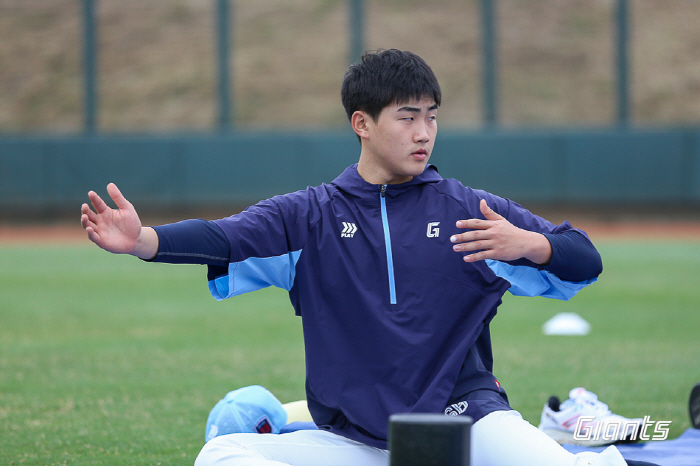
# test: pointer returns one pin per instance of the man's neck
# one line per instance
(377, 175)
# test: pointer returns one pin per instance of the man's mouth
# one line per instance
(420, 154)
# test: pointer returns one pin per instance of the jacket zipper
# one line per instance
(387, 243)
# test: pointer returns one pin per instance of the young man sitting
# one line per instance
(396, 274)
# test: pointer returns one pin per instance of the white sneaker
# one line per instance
(584, 420)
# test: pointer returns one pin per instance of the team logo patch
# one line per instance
(433, 230)
(349, 230)
(264, 426)
(457, 408)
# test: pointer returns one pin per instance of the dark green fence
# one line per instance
(607, 168)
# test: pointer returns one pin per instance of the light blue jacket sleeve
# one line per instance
(254, 274)
(529, 281)
(266, 241)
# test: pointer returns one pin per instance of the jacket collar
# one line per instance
(351, 182)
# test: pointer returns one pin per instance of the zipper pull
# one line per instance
(383, 191)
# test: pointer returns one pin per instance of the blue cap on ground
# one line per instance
(250, 409)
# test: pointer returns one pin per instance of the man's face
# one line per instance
(398, 144)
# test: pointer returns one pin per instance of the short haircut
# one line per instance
(387, 77)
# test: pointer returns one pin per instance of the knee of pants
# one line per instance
(219, 450)
(504, 437)
(205, 452)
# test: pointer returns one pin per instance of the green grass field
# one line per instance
(109, 360)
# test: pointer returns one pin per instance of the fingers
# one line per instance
(100, 205)
(480, 240)
(89, 218)
(92, 235)
(488, 212)
(476, 257)
(117, 196)
(477, 227)
(483, 248)
(470, 237)
(85, 222)
(87, 214)
(97, 203)
(476, 250)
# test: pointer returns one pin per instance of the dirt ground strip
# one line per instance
(74, 234)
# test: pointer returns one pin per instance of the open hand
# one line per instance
(114, 230)
(497, 238)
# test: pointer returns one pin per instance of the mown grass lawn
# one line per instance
(110, 360)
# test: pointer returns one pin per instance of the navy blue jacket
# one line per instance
(394, 320)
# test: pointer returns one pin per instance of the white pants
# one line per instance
(501, 438)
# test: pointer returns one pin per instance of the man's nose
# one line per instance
(421, 134)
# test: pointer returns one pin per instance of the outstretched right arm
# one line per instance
(117, 230)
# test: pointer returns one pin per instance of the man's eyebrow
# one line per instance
(407, 108)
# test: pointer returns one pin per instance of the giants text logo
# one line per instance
(587, 430)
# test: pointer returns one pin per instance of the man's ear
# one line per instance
(360, 122)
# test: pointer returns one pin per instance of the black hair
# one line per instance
(386, 77)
